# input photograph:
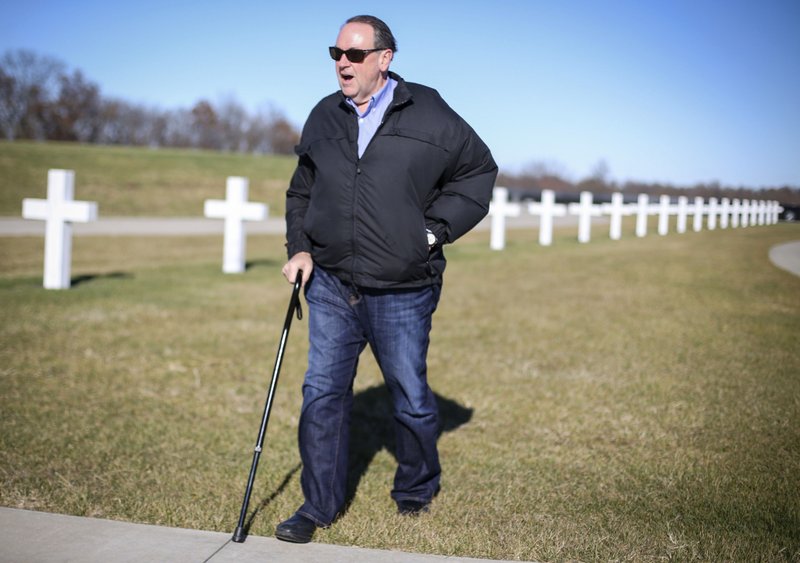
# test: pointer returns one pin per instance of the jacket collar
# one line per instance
(402, 95)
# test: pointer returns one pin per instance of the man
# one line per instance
(387, 174)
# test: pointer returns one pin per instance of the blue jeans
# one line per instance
(396, 324)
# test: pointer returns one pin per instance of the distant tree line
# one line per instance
(41, 99)
(540, 176)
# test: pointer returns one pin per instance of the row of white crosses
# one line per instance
(724, 212)
(59, 211)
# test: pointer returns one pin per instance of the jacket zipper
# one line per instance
(391, 109)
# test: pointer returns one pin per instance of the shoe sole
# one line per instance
(292, 538)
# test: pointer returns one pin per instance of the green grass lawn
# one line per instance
(630, 400)
(132, 181)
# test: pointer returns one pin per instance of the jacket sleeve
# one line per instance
(297, 200)
(466, 191)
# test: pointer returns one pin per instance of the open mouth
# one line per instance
(345, 77)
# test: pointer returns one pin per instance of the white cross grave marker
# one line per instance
(642, 211)
(585, 211)
(712, 213)
(616, 209)
(775, 213)
(499, 209)
(753, 212)
(736, 212)
(762, 212)
(664, 210)
(683, 210)
(724, 212)
(744, 210)
(235, 209)
(59, 211)
(547, 209)
(698, 214)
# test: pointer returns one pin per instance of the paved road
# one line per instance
(192, 226)
(785, 256)
(140, 226)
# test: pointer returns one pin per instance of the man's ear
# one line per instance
(386, 59)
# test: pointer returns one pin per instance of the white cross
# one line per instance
(235, 209)
(546, 210)
(698, 214)
(712, 213)
(616, 209)
(664, 210)
(736, 213)
(775, 213)
(683, 211)
(724, 212)
(585, 210)
(59, 211)
(762, 212)
(642, 210)
(744, 210)
(499, 209)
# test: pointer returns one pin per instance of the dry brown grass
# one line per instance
(631, 400)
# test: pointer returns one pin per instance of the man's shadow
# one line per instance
(372, 429)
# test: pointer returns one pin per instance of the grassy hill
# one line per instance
(136, 181)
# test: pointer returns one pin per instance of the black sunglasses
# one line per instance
(353, 55)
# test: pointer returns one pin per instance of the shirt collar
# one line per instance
(374, 100)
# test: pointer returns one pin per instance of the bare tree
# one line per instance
(275, 134)
(256, 138)
(283, 137)
(27, 86)
(598, 180)
(233, 120)
(205, 126)
(40, 100)
(78, 110)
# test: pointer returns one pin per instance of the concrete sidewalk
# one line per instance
(786, 256)
(40, 537)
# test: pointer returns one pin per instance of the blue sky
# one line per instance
(672, 91)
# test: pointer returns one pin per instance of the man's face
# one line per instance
(360, 81)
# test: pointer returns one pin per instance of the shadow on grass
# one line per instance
(249, 265)
(268, 499)
(372, 429)
(78, 280)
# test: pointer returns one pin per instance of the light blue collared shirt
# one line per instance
(370, 120)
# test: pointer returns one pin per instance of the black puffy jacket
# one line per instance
(364, 220)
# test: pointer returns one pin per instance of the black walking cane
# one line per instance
(294, 305)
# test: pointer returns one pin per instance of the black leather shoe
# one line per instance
(297, 529)
(412, 507)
